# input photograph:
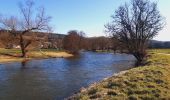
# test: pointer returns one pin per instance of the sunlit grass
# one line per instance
(150, 82)
(13, 55)
(9, 51)
(167, 51)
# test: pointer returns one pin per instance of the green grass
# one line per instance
(9, 51)
(150, 82)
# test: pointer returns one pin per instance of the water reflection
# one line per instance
(55, 79)
(23, 64)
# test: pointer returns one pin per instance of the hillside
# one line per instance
(159, 44)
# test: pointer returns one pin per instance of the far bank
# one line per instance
(13, 55)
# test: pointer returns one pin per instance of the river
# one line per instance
(58, 78)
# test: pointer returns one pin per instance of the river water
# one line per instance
(58, 78)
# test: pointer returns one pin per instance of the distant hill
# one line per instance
(39, 34)
(159, 44)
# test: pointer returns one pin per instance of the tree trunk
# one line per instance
(23, 52)
(114, 49)
(140, 57)
(22, 46)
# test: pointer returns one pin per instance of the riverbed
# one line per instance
(58, 78)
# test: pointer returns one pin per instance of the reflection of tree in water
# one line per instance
(28, 84)
(24, 63)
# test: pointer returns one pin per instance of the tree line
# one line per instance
(72, 42)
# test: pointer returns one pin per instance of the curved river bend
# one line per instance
(56, 79)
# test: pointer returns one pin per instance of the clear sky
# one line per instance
(86, 15)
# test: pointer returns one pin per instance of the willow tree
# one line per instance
(30, 20)
(134, 24)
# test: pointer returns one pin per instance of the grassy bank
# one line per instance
(150, 82)
(13, 55)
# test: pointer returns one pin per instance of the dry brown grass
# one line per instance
(5, 59)
(12, 55)
(47, 54)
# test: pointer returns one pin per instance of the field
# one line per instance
(12, 55)
(166, 51)
(149, 82)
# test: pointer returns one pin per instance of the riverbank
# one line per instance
(149, 82)
(12, 55)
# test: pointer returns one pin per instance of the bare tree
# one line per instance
(29, 23)
(82, 40)
(72, 42)
(115, 44)
(98, 43)
(55, 41)
(135, 24)
(7, 39)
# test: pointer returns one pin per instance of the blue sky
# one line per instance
(86, 15)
